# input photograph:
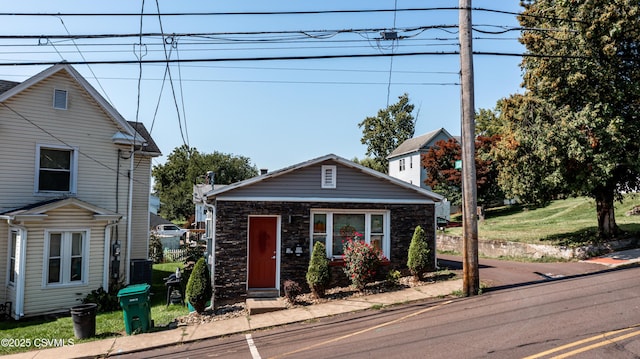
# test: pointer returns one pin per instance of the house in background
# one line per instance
(405, 160)
(71, 218)
(264, 228)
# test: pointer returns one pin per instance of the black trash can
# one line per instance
(84, 320)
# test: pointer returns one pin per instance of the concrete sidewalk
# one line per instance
(146, 341)
(617, 259)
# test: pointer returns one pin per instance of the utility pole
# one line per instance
(471, 276)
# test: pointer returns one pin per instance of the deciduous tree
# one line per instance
(444, 178)
(386, 131)
(575, 129)
(185, 167)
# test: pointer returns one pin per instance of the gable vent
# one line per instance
(328, 177)
(60, 99)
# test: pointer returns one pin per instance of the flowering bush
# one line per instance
(361, 262)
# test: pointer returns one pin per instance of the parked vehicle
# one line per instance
(170, 230)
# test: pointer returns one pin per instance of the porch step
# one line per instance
(264, 305)
(263, 293)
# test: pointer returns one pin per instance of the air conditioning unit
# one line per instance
(140, 271)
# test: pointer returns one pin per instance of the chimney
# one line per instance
(211, 177)
(263, 171)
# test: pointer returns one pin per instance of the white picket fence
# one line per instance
(174, 255)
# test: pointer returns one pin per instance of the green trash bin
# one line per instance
(136, 308)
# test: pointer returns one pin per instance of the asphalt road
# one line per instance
(578, 315)
(499, 274)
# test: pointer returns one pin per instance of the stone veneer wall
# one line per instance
(231, 239)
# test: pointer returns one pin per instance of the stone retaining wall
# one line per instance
(490, 248)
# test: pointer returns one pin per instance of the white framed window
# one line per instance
(56, 169)
(329, 176)
(411, 162)
(13, 244)
(334, 227)
(60, 99)
(66, 257)
(401, 164)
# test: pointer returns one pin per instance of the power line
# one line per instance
(308, 12)
(301, 57)
(162, 35)
(173, 91)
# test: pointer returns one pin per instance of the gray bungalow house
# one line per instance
(261, 231)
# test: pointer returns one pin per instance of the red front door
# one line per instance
(262, 251)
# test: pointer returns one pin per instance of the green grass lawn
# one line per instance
(563, 222)
(107, 324)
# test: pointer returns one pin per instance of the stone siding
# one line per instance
(230, 281)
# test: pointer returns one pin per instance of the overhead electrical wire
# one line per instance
(300, 57)
(308, 12)
(173, 91)
(106, 95)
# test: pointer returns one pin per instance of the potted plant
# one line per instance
(199, 289)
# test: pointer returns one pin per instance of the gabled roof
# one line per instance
(7, 85)
(149, 146)
(38, 210)
(415, 144)
(9, 89)
(342, 161)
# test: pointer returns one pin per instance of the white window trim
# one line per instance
(65, 260)
(55, 97)
(401, 165)
(74, 168)
(332, 180)
(386, 239)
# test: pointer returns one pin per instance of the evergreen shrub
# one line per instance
(199, 289)
(418, 258)
(318, 274)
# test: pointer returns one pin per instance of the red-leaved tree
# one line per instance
(444, 178)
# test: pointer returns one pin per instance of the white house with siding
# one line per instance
(71, 217)
(405, 160)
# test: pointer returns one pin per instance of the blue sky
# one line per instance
(276, 113)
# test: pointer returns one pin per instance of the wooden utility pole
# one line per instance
(471, 276)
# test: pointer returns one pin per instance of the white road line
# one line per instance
(252, 347)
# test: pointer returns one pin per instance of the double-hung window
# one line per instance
(401, 165)
(13, 243)
(66, 257)
(56, 169)
(335, 227)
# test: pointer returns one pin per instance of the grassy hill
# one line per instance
(563, 222)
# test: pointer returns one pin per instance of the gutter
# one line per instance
(127, 261)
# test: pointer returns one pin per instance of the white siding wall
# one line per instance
(412, 172)
(83, 125)
(102, 174)
(37, 298)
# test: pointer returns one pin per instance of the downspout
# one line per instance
(212, 210)
(18, 308)
(107, 254)
(127, 261)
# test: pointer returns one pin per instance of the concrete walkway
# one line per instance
(617, 259)
(146, 341)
